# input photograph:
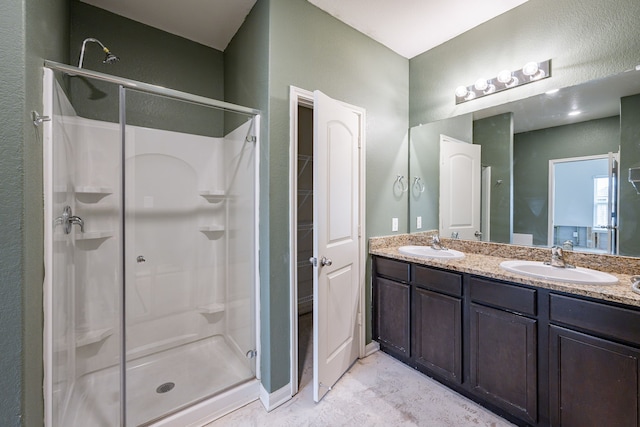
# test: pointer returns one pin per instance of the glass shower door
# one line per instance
(81, 262)
(189, 216)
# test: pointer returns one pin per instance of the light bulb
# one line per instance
(461, 91)
(530, 68)
(481, 84)
(507, 78)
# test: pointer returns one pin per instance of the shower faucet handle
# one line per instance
(67, 219)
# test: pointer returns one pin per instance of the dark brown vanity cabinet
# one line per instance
(536, 356)
(436, 322)
(392, 295)
(593, 380)
(503, 346)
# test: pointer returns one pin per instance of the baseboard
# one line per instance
(371, 348)
(271, 401)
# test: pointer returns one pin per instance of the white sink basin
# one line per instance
(568, 275)
(429, 252)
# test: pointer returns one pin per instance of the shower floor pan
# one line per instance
(157, 384)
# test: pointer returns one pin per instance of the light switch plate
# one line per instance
(419, 222)
(394, 224)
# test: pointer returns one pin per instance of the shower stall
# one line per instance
(151, 283)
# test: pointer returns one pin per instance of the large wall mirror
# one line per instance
(555, 168)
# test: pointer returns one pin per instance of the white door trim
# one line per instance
(551, 188)
(303, 97)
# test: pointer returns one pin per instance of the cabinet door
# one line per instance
(503, 360)
(592, 382)
(437, 334)
(392, 317)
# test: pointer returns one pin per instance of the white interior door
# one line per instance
(459, 188)
(336, 176)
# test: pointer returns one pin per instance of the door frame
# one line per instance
(551, 187)
(302, 97)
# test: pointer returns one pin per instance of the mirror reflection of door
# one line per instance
(583, 203)
(459, 189)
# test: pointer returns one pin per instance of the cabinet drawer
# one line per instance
(511, 297)
(441, 281)
(605, 320)
(393, 269)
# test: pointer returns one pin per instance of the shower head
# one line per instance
(109, 58)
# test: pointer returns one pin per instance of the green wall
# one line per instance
(495, 135)
(30, 31)
(585, 39)
(629, 221)
(246, 62)
(424, 162)
(312, 50)
(531, 154)
(148, 55)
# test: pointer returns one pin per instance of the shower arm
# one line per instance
(84, 44)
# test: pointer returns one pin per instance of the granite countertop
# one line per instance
(483, 264)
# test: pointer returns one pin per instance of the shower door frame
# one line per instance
(125, 84)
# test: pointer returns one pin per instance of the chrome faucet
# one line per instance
(567, 245)
(557, 257)
(435, 243)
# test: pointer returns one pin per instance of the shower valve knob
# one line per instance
(140, 258)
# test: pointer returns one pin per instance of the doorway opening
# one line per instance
(304, 252)
(583, 203)
(327, 246)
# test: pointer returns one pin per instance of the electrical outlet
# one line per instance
(575, 234)
(419, 222)
(394, 224)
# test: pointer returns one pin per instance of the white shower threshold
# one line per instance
(201, 381)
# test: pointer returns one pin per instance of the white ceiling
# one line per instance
(408, 27)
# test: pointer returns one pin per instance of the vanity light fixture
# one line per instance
(506, 79)
(574, 113)
(552, 91)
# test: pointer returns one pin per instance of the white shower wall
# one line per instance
(180, 188)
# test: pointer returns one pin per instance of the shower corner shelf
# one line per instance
(94, 235)
(211, 308)
(94, 190)
(212, 196)
(92, 194)
(212, 231)
(92, 337)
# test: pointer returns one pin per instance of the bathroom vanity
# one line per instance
(536, 352)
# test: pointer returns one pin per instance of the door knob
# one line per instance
(325, 261)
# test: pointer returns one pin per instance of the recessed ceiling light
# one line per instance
(575, 113)
(552, 91)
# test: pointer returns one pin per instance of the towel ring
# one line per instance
(418, 185)
(401, 183)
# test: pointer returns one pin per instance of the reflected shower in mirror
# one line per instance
(519, 141)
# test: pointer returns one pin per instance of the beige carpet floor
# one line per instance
(377, 391)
